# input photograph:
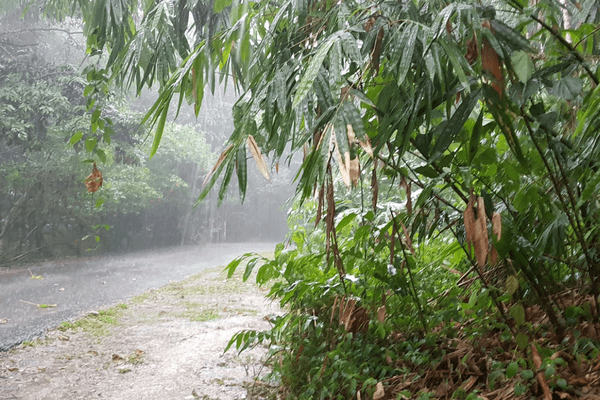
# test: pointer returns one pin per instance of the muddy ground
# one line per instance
(163, 344)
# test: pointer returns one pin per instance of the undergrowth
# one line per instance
(408, 326)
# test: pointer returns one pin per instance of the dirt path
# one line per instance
(163, 344)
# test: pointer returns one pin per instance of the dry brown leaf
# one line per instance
(93, 182)
(370, 22)
(320, 207)
(468, 384)
(342, 166)
(381, 314)
(217, 164)
(491, 64)
(540, 376)
(257, 155)
(353, 169)
(366, 146)
(472, 51)
(407, 239)
(497, 232)
(344, 93)
(277, 167)
(481, 238)
(335, 300)
(469, 218)
(379, 392)
(376, 53)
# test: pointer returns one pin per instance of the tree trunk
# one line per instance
(188, 215)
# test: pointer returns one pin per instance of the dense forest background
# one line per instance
(45, 210)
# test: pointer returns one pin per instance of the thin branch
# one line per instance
(41, 30)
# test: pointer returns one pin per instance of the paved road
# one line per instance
(78, 286)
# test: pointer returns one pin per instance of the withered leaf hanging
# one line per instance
(94, 180)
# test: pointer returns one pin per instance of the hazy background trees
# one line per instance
(45, 211)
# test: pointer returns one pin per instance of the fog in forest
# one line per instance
(47, 128)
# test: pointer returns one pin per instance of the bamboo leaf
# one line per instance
(475, 138)
(217, 164)
(409, 40)
(225, 183)
(308, 79)
(159, 131)
(258, 158)
(242, 173)
(455, 124)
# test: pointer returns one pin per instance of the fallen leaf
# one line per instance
(379, 392)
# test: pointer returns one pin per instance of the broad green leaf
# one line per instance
(568, 88)
(518, 313)
(312, 70)
(527, 374)
(512, 284)
(345, 221)
(88, 89)
(522, 65)
(99, 202)
(101, 155)
(76, 138)
(90, 143)
(512, 369)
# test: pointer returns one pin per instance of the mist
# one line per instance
(46, 213)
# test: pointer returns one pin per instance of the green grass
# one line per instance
(97, 325)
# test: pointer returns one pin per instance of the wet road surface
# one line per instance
(78, 286)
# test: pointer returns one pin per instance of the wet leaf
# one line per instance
(258, 158)
(522, 65)
(518, 313)
(217, 164)
(93, 182)
(512, 369)
(512, 284)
